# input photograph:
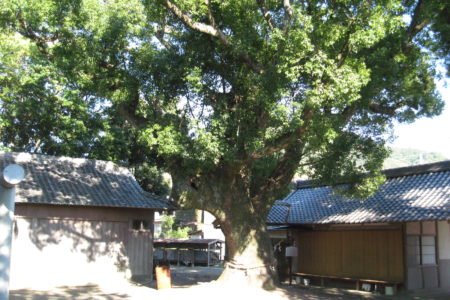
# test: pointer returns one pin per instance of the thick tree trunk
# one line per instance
(250, 260)
(225, 194)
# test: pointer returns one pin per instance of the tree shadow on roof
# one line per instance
(395, 202)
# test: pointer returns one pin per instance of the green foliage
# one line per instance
(351, 159)
(234, 94)
(152, 179)
(169, 230)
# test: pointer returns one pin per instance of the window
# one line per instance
(421, 250)
(413, 244)
(428, 250)
(140, 225)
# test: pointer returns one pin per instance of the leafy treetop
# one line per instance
(196, 86)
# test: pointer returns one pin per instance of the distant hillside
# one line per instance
(403, 157)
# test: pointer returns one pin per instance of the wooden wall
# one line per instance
(374, 254)
(78, 245)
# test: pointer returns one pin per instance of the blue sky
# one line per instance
(428, 134)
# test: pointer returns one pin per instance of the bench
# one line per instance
(357, 281)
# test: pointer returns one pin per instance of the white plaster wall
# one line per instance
(208, 228)
(444, 239)
(55, 252)
(56, 257)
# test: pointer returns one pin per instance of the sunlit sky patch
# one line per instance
(428, 134)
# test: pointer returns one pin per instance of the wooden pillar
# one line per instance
(207, 264)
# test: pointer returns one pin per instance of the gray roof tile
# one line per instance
(78, 181)
(411, 197)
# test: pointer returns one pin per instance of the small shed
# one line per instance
(191, 252)
(78, 221)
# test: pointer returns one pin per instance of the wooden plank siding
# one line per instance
(375, 254)
(140, 258)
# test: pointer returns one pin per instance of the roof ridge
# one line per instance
(435, 167)
(25, 157)
(440, 166)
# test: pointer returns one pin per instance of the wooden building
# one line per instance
(399, 236)
(78, 221)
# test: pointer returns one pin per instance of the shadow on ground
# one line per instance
(316, 293)
(198, 282)
(77, 292)
(184, 277)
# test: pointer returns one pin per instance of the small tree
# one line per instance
(170, 230)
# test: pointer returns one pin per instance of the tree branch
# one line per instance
(376, 108)
(214, 32)
(129, 109)
(201, 27)
(266, 13)
(384, 110)
(417, 24)
(347, 113)
(183, 191)
(280, 176)
(28, 32)
(211, 18)
(288, 13)
(160, 33)
(285, 140)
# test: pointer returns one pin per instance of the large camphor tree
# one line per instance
(232, 98)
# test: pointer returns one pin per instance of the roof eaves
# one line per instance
(441, 166)
(418, 169)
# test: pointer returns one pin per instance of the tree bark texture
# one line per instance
(249, 255)
(250, 258)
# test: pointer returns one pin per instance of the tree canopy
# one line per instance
(230, 97)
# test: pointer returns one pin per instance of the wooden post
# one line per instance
(164, 254)
(290, 269)
(207, 264)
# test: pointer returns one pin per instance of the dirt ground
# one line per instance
(199, 283)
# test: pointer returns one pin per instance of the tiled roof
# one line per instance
(78, 181)
(417, 193)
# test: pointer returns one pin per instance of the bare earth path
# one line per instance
(198, 283)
